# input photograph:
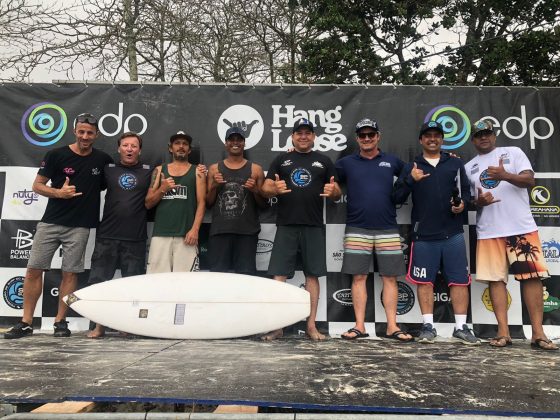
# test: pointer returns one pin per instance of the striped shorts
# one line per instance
(360, 245)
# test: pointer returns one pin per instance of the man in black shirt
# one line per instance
(300, 179)
(76, 175)
(120, 241)
(234, 194)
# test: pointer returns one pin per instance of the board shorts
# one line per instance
(109, 255)
(233, 252)
(308, 242)
(446, 255)
(360, 244)
(48, 237)
(170, 253)
(519, 254)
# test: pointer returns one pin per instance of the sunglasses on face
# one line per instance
(87, 118)
(371, 135)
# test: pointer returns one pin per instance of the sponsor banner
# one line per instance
(264, 245)
(551, 301)
(443, 309)
(2, 190)
(522, 117)
(52, 280)
(481, 305)
(268, 213)
(202, 246)
(20, 202)
(16, 241)
(11, 284)
(336, 210)
(335, 247)
(408, 308)
(550, 240)
(544, 199)
(339, 298)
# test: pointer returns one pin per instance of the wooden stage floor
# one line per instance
(372, 375)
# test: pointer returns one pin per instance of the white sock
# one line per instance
(428, 318)
(460, 320)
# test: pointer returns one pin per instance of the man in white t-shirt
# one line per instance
(507, 233)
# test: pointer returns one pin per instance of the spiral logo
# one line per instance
(456, 125)
(13, 292)
(44, 124)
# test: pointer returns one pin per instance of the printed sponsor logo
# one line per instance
(442, 297)
(13, 292)
(551, 303)
(23, 241)
(244, 117)
(540, 196)
(317, 164)
(406, 298)
(343, 296)
(385, 164)
(338, 255)
(457, 126)
(300, 177)
(264, 246)
(488, 302)
(328, 129)
(24, 197)
(551, 251)
(128, 181)
(43, 124)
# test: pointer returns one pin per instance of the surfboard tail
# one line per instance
(70, 299)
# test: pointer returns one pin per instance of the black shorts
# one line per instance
(112, 254)
(230, 252)
(308, 242)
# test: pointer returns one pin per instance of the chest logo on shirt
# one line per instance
(69, 171)
(177, 193)
(505, 158)
(287, 162)
(385, 164)
(300, 177)
(487, 182)
(317, 164)
(95, 171)
(128, 181)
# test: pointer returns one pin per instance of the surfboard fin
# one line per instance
(71, 298)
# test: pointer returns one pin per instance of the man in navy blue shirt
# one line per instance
(440, 188)
(371, 226)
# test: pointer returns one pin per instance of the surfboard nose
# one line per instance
(70, 299)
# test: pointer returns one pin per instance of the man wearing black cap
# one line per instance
(300, 179)
(179, 192)
(439, 188)
(371, 226)
(507, 233)
(234, 194)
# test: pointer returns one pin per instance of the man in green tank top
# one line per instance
(179, 191)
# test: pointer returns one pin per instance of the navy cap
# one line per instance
(235, 130)
(303, 122)
(431, 125)
(367, 122)
(180, 135)
(482, 125)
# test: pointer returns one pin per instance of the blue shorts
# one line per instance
(449, 255)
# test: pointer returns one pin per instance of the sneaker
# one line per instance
(21, 329)
(466, 336)
(427, 334)
(61, 329)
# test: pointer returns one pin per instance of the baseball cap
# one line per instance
(180, 135)
(303, 122)
(367, 122)
(482, 125)
(235, 130)
(431, 125)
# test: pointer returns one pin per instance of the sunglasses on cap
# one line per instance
(371, 135)
(87, 118)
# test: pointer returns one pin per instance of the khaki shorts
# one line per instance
(169, 254)
(48, 237)
(520, 254)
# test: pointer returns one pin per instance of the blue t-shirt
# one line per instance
(369, 184)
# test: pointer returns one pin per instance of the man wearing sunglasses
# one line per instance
(371, 226)
(75, 173)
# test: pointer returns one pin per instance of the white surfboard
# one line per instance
(197, 305)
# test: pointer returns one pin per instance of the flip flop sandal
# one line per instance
(538, 345)
(356, 331)
(497, 341)
(397, 335)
